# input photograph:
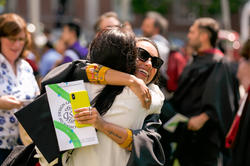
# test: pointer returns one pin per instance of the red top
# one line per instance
(32, 64)
(211, 51)
(176, 64)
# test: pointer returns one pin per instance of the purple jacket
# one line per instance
(75, 52)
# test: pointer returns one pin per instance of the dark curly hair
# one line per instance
(115, 48)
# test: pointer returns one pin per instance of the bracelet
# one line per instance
(101, 75)
(96, 73)
(128, 140)
(129, 148)
(92, 73)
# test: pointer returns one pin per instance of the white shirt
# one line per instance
(22, 86)
(126, 112)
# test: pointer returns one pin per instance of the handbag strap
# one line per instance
(231, 135)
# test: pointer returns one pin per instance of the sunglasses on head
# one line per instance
(143, 55)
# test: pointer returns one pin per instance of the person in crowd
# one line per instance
(99, 74)
(154, 26)
(107, 19)
(18, 84)
(31, 55)
(128, 26)
(176, 64)
(241, 146)
(187, 52)
(208, 95)
(49, 59)
(60, 46)
(70, 35)
(116, 115)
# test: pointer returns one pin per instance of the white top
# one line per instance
(22, 86)
(126, 112)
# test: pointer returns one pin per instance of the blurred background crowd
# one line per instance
(46, 18)
(60, 31)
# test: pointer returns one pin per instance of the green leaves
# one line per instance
(143, 6)
(199, 7)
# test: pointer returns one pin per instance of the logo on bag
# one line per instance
(65, 115)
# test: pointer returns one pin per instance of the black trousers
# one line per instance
(3, 154)
(197, 153)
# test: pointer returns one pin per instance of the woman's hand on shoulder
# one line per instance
(9, 102)
(141, 90)
(113, 77)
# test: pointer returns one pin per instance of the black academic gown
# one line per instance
(241, 149)
(37, 121)
(207, 85)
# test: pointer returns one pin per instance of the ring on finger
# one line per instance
(90, 112)
(146, 100)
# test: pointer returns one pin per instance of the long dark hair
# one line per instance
(115, 48)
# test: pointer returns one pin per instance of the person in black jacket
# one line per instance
(207, 95)
(241, 146)
(81, 70)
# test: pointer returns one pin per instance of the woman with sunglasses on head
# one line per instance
(17, 82)
(126, 131)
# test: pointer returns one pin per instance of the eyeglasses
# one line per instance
(14, 39)
(143, 55)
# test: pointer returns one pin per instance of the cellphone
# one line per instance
(78, 100)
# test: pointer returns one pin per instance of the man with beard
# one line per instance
(207, 94)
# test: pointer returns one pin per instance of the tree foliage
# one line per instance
(2, 2)
(200, 7)
(142, 6)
